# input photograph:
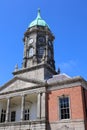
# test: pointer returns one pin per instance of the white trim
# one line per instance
(59, 113)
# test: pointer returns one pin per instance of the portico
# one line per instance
(22, 107)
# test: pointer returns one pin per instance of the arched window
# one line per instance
(31, 52)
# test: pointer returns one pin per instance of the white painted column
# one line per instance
(22, 107)
(39, 105)
(8, 110)
(43, 105)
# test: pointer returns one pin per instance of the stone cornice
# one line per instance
(37, 28)
(71, 82)
(34, 68)
(21, 92)
(34, 89)
(54, 85)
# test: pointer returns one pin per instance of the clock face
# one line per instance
(31, 52)
(30, 41)
(41, 39)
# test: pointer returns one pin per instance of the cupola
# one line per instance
(38, 21)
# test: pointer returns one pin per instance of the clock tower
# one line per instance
(38, 50)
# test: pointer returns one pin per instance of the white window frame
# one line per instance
(64, 96)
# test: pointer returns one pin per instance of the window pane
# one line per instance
(64, 107)
(31, 52)
(41, 51)
(26, 114)
(3, 115)
(13, 115)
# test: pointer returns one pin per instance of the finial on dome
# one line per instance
(39, 10)
(38, 15)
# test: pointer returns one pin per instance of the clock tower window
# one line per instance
(30, 41)
(30, 53)
(41, 51)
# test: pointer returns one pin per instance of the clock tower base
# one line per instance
(40, 72)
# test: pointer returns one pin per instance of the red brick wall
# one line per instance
(76, 103)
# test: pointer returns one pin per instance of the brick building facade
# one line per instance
(73, 115)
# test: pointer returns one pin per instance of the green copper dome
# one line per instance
(38, 21)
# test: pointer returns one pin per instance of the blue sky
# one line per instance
(67, 20)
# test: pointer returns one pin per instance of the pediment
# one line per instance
(19, 83)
